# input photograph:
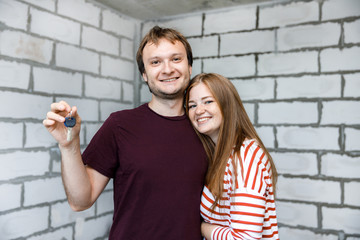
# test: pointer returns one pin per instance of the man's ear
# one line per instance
(145, 77)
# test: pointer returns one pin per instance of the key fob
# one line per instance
(70, 122)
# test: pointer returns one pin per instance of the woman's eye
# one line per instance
(192, 106)
(209, 101)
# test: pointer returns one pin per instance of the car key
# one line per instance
(69, 123)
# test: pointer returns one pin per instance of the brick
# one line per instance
(145, 94)
(267, 136)
(21, 45)
(352, 85)
(80, 10)
(187, 25)
(127, 92)
(352, 136)
(10, 196)
(21, 164)
(24, 105)
(30, 220)
(91, 129)
(14, 14)
(321, 35)
(293, 13)
(323, 138)
(37, 136)
(250, 110)
(231, 66)
(205, 46)
(108, 107)
(105, 203)
(300, 234)
(342, 166)
(247, 42)
(352, 31)
(45, 4)
(34, 191)
(100, 41)
(287, 63)
(333, 9)
(252, 89)
(61, 214)
(335, 59)
(324, 86)
(118, 24)
(88, 109)
(94, 228)
(52, 26)
(341, 219)
(62, 233)
(11, 135)
(77, 59)
(196, 67)
(14, 75)
(102, 88)
(296, 214)
(352, 194)
(308, 190)
(338, 112)
(284, 112)
(296, 163)
(234, 19)
(127, 49)
(57, 82)
(117, 68)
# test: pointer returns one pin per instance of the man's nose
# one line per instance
(168, 67)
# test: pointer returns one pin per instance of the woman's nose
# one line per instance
(200, 109)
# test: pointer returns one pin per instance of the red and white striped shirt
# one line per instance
(247, 207)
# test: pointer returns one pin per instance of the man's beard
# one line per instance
(169, 96)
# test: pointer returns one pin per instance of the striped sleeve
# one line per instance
(252, 205)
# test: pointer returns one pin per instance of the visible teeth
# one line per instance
(202, 119)
(169, 80)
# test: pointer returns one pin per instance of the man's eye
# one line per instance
(155, 62)
(176, 59)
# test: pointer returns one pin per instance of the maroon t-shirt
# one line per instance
(158, 165)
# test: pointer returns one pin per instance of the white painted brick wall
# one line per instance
(14, 14)
(283, 112)
(297, 234)
(105, 202)
(100, 41)
(127, 49)
(252, 89)
(77, 59)
(352, 31)
(325, 86)
(297, 214)
(128, 92)
(287, 63)
(30, 220)
(92, 229)
(88, 109)
(352, 137)
(108, 107)
(235, 20)
(117, 68)
(333, 9)
(325, 34)
(336, 165)
(14, 75)
(337, 112)
(256, 41)
(334, 59)
(204, 47)
(352, 85)
(37, 136)
(267, 136)
(80, 10)
(352, 193)
(10, 196)
(21, 164)
(344, 219)
(11, 135)
(59, 82)
(196, 68)
(250, 110)
(293, 13)
(231, 66)
(45, 4)
(91, 129)
(52, 26)
(308, 190)
(63, 233)
(296, 163)
(119, 25)
(61, 214)
(102, 88)
(20, 45)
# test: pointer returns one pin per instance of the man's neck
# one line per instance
(166, 107)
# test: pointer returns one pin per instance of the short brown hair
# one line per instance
(157, 33)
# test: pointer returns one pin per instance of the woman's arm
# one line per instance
(207, 229)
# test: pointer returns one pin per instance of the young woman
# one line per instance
(238, 199)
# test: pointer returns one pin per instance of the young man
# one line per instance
(155, 158)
